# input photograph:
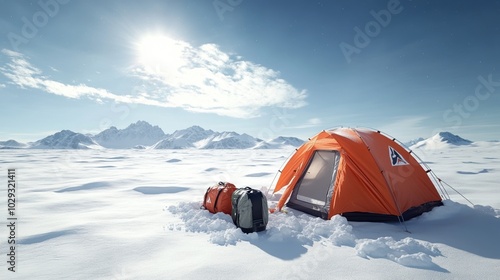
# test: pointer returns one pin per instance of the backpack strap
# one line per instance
(205, 200)
(257, 215)
(218, 194)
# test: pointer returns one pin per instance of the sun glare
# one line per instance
(159, 51)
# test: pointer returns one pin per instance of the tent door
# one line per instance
(314, 190)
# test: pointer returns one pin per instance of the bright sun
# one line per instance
(159, 51)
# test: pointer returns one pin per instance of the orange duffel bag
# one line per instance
(218, 198)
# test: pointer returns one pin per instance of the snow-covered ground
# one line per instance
(135, 214)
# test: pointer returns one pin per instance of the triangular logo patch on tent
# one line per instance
(396, 158)
(209, 200)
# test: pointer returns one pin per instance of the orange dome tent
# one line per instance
(360, 174)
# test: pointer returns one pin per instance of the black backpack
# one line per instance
(249, 211)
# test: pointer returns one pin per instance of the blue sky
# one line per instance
(266, 68)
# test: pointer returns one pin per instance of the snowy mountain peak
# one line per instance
(292, 141)
(11, 144)
(279, 142)
(413, 142)
(139, 133)
(451, 138)
(228, 140)
(195, 128)
(442, 140)
(193, 133)
(65, 139)
(142, 126)
(184, 138)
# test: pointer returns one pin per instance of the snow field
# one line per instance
(135, 214)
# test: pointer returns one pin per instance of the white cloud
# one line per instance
(2, 86)
(199, 79)
(25, 75)
(205, 79)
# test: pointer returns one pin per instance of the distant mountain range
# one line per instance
(142, 135)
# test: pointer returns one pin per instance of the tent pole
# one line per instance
(279, 171)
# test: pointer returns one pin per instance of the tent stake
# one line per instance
(403, 224)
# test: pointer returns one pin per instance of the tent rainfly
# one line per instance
(358, 173)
